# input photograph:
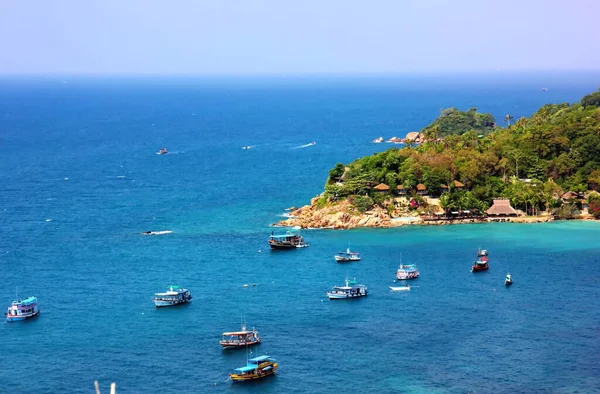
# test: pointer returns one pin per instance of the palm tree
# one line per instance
(508, 118)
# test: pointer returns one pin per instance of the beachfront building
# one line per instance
(501, 208)
(401, 190)
(421, 189)
(382, 187)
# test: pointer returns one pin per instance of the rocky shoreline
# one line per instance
(342, 215)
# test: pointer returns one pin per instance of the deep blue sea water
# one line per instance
(81, 180)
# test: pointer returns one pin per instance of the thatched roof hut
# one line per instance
(382, 187)
(401, 189)
(421, 187)
(458, 184)
(501, 207)
(569, 195)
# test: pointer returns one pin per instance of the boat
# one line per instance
(162, 151)
(174, 296)
(256, 368)
(350, 290)
(22, 309)
(291, 239)
(508, 280)
(377, 140)
(399, 288)
(240, 338)
(407, 271)
(481, 264)
(347, 256)
(156, 232)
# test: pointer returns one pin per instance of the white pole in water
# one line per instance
(113, 388)
(97, 386)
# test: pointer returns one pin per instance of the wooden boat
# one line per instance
(508, 280)
(350, 290)
(399, 288)
(256, 368)
(347, 256)
(481, 264)
(290, 240)
(240, 338)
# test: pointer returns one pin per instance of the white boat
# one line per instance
(377, 140)
(407, 271)
(400, 288)
(347, 256)
(350, 290)
(174, 296)
(157, 232)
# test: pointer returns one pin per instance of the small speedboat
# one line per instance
(508, 280)
(162, 151)
(400, 288)
(156, 232)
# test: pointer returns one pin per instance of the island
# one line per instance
(468, 169)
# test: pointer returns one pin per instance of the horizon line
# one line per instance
(296, 74)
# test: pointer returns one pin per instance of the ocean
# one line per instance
(81, 180)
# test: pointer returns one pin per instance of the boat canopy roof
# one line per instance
(26, 301)
(247, 368)
(237, 333)
(259, 359)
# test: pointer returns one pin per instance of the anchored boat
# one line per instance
(347, 256)
(240, 338)
(407, 271)
(290, 240)
(399, 288)
(22, 309)
(481, 264)
(508, 280)
(174, 296)
(256, 368)
(351, 289)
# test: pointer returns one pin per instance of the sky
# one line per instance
(296, 37)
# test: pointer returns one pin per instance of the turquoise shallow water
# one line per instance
(81, 154)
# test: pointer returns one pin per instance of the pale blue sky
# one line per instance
(302, 36)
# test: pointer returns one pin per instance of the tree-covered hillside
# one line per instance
(556, 149)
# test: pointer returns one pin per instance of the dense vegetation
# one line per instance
(557, 149)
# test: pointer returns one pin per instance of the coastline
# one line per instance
(343, 216)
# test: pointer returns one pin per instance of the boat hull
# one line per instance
(400, 288)
(478, 268)
(286, 246)
(507, 283)
(344, 260)
(164, 304)
(263, 373)
(237, 345)
(11, 318)
(344, 296)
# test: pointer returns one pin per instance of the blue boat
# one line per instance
(174, 296)
(22, 309)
